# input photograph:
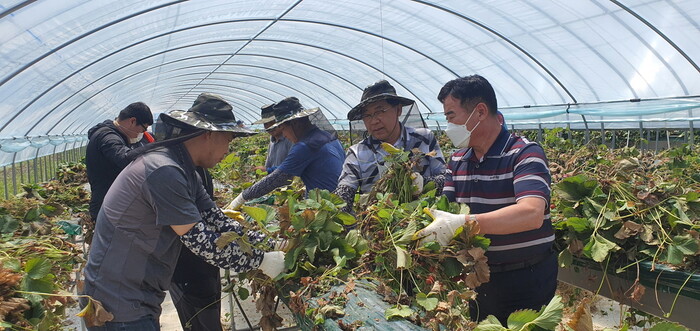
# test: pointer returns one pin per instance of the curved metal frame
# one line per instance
(16, 8)
(512, 43)
(173, 32)
(205, 43)
(483, 26)
(179, 68)
(657, 31)
(223, 93)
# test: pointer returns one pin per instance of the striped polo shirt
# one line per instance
(512, 169)
(364, 161)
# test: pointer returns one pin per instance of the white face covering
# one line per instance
(137, 139)
(459, 134)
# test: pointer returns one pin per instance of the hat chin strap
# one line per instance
(391, 133)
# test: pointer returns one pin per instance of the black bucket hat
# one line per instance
(380, 90)
(290, 109)
(267, 114)
(208, 112)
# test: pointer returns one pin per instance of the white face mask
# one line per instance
(459, 134)
(137, 139)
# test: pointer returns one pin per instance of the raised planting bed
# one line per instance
(667, 293)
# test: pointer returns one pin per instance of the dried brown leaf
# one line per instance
(437, 288)
(350, 286)
(582, 320)
(637, 292)
(463, 257)
(478, 254)
(308, 215)
(443, 306)
(472, 280)
(270, 322)
(296, 303)
(451, 296)
(629, 229)
(12, 306)
(95, 314)
(482, 271)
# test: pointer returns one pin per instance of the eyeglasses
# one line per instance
(367, 116)
(145, 128)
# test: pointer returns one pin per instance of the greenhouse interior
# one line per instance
(598, 99)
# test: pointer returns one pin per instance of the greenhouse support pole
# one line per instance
(36, 168)
(55, 162)
(4, 176)
(641, 134)
(21, 172)
(614, 141)
(668, 139)
(14, 175)
(46, 168)
(602, 133)
(656, 144)
(692, 134)
(539, 133)
(628, 139)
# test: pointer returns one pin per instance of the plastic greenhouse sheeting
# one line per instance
(66, 65)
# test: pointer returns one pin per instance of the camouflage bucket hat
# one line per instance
(380, 90)
(267, 114)
(290, 109)
(209, 112)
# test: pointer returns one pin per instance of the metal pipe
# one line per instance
(656, 143)
(692, 134)
(21, 173)
(14, 175)
(4, 176)
(36, 169)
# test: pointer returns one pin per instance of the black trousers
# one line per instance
(196, 293)
(527, 288)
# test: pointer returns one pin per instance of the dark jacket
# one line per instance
(105, 158)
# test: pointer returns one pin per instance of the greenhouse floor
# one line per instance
(606, 315)
(169, 320)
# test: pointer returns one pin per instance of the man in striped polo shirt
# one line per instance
(380, 109)
(505, 181)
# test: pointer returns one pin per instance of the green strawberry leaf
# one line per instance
(428, 303)
(518, 319)
(37, 268)
(400, 311)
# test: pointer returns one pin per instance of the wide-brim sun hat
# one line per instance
(209, 112)
(378, 91)
(290, 109)
(267, 114)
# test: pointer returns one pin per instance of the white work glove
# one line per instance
(236, 203)
(443, 227)
(272, 264)
(417, 183)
